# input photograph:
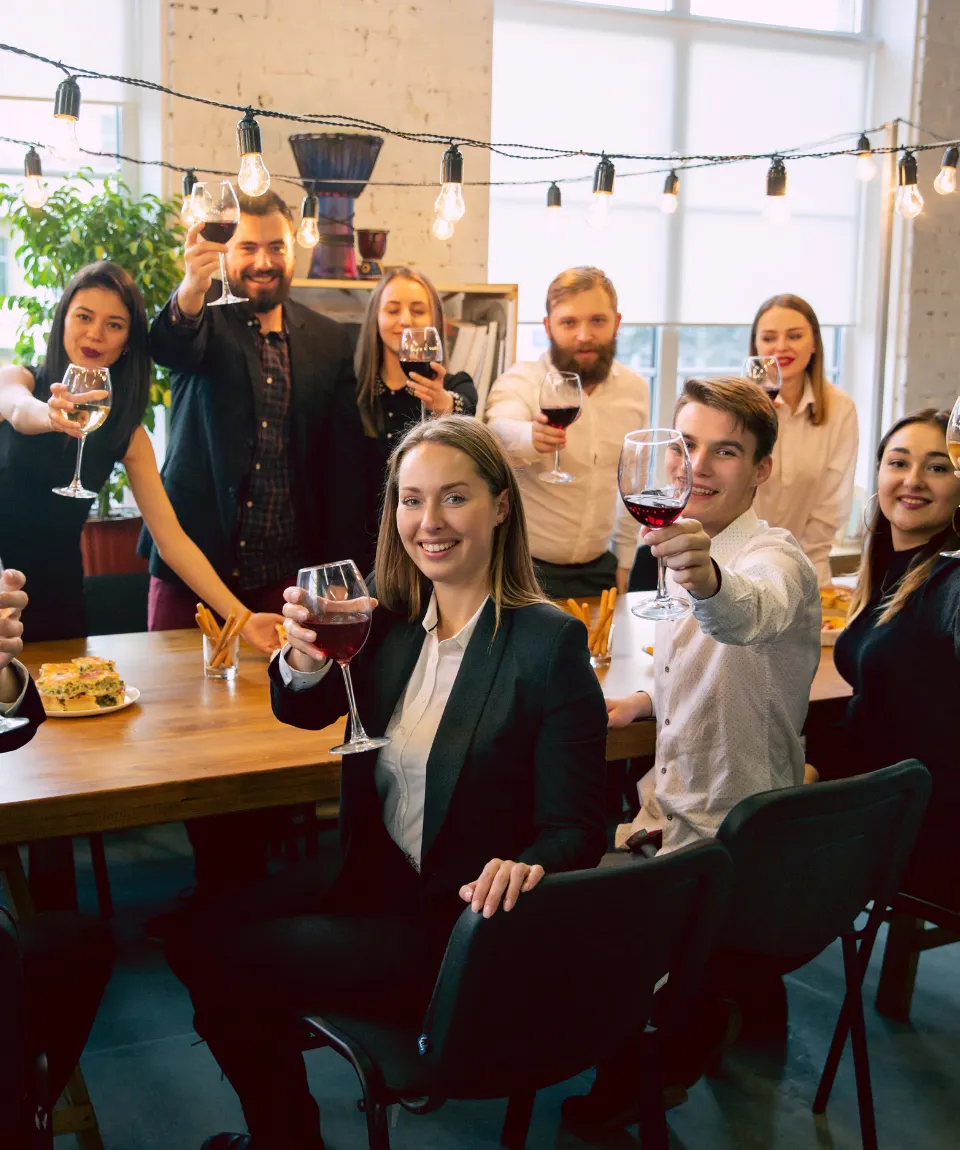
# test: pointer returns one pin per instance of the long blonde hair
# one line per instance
(512, 579)
(818, 379)
(368, 357)
(878, 549)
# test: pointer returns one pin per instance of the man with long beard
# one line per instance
(261, 464)
(581, 536)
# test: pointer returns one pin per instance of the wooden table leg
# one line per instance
(899, 971)
(77, 1117)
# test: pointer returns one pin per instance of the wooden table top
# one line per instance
(194, 746)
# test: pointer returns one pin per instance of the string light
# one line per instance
(308, 234)
(554, 209)
(66, 113)
(598, 214)
(34, 191)
(442, 229)
(946, 181)
(908, 201)
(866, 164)
(186, 210)
(449, 204)
(670, 198)
(254, 179)
(777, 209)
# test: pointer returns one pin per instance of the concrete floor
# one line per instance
(155, 1088)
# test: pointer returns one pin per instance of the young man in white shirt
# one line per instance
(582, 539)
(732, 680)
(732, 684)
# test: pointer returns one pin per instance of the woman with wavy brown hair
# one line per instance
(493, 776)
(810, 490)
(900, 650)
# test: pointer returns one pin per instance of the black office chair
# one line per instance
(807, 861)
(530, 998)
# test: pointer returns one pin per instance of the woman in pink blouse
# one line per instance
(811, 487)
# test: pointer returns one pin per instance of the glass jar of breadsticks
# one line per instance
(221, 645)
(599, 624)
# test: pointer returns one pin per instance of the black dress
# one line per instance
(397, 410)
(905, 676)
(40, 531)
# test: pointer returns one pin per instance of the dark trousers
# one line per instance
(576, 580)
(66, 962)
(228, 850)
(257, 961)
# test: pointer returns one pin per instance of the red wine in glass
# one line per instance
(340, 637)
(561, 417)
(219, 232)
(764, 370)
(654, 510)
(421, 367)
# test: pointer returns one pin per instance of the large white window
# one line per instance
(574, 74)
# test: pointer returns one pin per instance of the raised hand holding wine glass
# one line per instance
(12, 601)
(217, 208)
(764, 370)
(953, 450)
(84, 403)
(339, 610)
(420, 347)
(561, 401)
(655, 480)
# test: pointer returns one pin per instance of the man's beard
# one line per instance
(263, 296)
(597, 372)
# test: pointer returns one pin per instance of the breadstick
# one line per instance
(202, 624)
(212, 627)
(593, 633)
(605, 637)
(230, 632)
(574, 608)
(224, 632)
(281, 634)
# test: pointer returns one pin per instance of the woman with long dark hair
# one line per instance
(388, 401)
(493, 775)
(100, 321)
(900, 650)
(810, 489)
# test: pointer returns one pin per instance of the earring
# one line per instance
(867, 529)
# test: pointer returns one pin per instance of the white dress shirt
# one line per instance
(732, 685)
(810, 489)
(401, 771)
(10, 709)
(572, 523)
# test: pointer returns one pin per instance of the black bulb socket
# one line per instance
(907, 170)
(31, 164)
(671, 185)
(248, 136)
(777, 178)
(553, 196)
(310, 208)
(451, 167)
(863, 144)
(189, 183)
(66, 103)
(950, 158)
(603, 177)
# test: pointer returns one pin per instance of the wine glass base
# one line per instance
(950, 554)
(663, 610)
(12, 724)
(228, 298)
(74, 492)
(355, 746)
(556, 477)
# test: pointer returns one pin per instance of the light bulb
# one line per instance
(308, 234)
(776, 211)
(34, 193)
(946, 181)
(866, 167)
(449, 204)
(598, 214)
(669, 203)
(442, 229)
(909, 202)
(65, 147)
(554, 220)
(254, 179)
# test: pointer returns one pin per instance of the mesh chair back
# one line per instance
(807, 860)
(533, 996)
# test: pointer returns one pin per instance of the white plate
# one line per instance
(130, 695)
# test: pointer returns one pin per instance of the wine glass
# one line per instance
(953, 450)
(91, 387)
(765, 371)
(561, 401)
(15, 722)
(419, 347)
(655, 478)
(339, 605)
(217, 206)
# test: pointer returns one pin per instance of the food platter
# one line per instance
(130, 696)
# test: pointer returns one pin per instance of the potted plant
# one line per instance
(81, 222)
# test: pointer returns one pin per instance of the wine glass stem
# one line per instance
(225, 290)
(357, 733)
(76, 471)
(556, 461)
(661, 581)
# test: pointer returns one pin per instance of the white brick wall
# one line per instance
(932, 296)
(417, 65)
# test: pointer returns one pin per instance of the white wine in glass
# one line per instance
(89, 390)
(953, 450)
(12, 723)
